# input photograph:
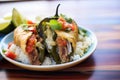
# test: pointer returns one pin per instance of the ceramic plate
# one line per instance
(8, 38)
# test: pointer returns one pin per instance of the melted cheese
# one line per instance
(71, 36)
(49, 40)
(20, 37)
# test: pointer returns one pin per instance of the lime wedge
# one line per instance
(5, 26)
(17, 18)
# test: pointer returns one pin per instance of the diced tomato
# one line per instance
(61, 42)
(61, 19)
(9, 45)
(10, 54)
(31, 44)
(30, 22)
(65, 24)
(29, 49)
(64, 43)
(73, 27)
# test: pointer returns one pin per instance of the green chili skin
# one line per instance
(42, 55)
(55, 55)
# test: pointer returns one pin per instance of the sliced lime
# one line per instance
(5, 26)
(17, 18)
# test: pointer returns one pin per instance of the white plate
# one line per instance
(8, 38)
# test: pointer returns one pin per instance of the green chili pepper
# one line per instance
(54, 25)
(55, 55)
(41, 50)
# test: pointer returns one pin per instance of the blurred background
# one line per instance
(84, 11)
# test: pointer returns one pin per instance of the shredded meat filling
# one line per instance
(32, 51)
(34, 57)
(62, 49)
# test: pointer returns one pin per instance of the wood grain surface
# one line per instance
(102, 17)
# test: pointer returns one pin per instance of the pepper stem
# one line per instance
(56, 14)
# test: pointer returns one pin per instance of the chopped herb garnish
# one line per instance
(3, 50)
(69, 20)
(55, 25)
(25, 27)
(82, 32)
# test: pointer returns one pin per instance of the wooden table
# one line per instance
(102, 17)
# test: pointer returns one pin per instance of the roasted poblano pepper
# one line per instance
(42, 30)
(60, 36)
